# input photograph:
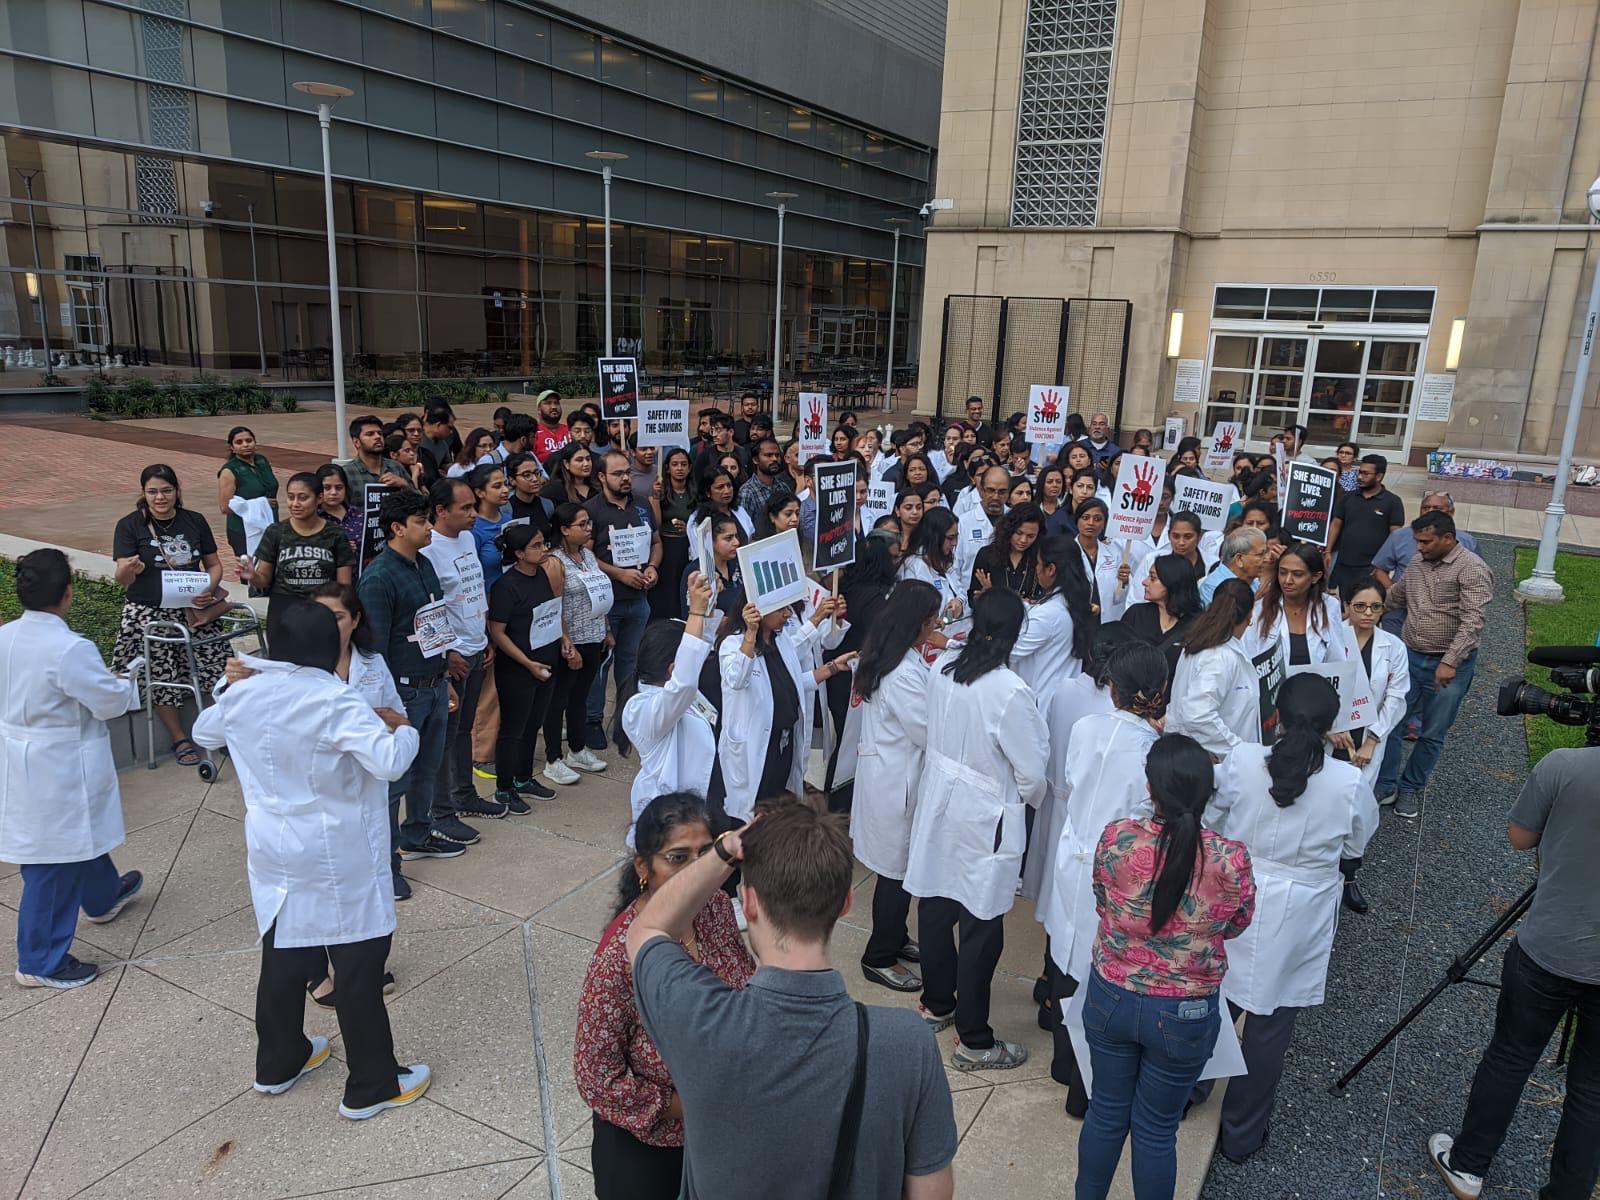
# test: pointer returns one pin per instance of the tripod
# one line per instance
(1459, 971)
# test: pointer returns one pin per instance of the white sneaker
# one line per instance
(1462, 1185)
(585, 760)
(738, 915)
(557, 771)
(413, 1082)
(320, 1049)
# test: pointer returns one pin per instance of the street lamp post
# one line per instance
(326, 95)
(38, 271)
(1541, 586)
(606, 158)
(255, 288)
(783, 199)
(894, 284)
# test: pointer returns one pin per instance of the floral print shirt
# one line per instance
(619, 1071)
(1187, 957)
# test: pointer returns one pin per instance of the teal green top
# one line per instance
(252, 480)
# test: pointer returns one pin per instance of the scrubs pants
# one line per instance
(47, 916)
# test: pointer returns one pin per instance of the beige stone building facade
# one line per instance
(1322, 190)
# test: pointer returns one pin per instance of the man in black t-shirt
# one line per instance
(1362, 522)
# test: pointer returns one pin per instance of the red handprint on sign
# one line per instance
(1049, 406)
(813, 418)
(1224, 440)
(1142, 494)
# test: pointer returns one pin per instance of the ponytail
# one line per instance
(1307, 705)
(1181, 780)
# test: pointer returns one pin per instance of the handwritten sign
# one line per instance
(1136, 496)
(1047, 414)
(1308, 503)
(663, 423)
(546, 625)
(1224, 439)
(619, 388)
(813, 425)
(630, 546)
(773, 572)
(180, 589)
(835, 544)
(1206, 500)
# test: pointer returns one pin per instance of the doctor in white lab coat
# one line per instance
(985, 761)
(667, 720)
(1295, 611)
(313, 759)
(1057, 636)
(1298, 811)
(60, 810)
(891, 688)
(1216, 694)
(976, 529)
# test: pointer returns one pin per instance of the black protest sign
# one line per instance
(1271, 669)
(1308, 503)
(836, 515)
(372, 539)
(619, 389)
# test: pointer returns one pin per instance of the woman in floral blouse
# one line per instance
(1169, 895)
(637, 1151)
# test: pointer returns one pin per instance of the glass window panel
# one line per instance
(300, 204)
(1236, 303)
(739, 105)
(627, 113)
(1227, 396)
(394, 47)
(456, 329)
(402, 103)
(1393, 358)
(521, 31)
(1329, 428)
(772, 116)
(739, 145)
(573, 49)
(460, 65)
(451, 222)
(511, 274)
(1387, 395)
(1284, 353)
(1336, 399)
(522, 83)
(465, 120)
(1271, 388)
(1292, 304)
(1409, 307)
(1264, 422)
(575, 98)
(799, 125)
(1340, 357)
(384, 266)
(410, 10)
(456, 273)
(388, 334)
(705, 95)
(622, 66)
(1235, 352)
(666, 81)
(465, 18)
(510, 229)
(1381, 431)
(1346, 304)
(380, 212)
(827, 135)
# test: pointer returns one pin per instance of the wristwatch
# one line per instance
(722, 851)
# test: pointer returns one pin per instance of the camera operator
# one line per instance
(1552, 965)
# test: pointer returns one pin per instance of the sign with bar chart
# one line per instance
(773, 572)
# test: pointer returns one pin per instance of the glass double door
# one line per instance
(1342, 388)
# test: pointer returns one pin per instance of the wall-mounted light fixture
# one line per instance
(1175, 334)
(1458, 334)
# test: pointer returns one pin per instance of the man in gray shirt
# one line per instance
(764, 1073)
(1552, 965)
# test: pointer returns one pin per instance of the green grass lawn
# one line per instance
(1572, 623)
(96, 606)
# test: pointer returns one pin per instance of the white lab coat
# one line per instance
(313, 761)
(812, 642)
(985, 760)
(1147, 550)
(59, 801)
(1104, 781)
(1216, 698)
(1068, 700)
(950, 587)
(370, 677)
(1102, 574)
(1324, 645)
(747, 721)
(1043, 652)
(1282, 959)
(894, 734)
(1391, 681)
(973, 533)
(670, 725)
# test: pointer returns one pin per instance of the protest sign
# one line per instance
(1047, 413)
(546, 624)
(835, 545)
(813, 425)
(432, 631)
(773, 572)
(1355, 691)
(630, 546)
(1206, 500)
(663, 423)
(1172, 432)
(1280, 466)
(880, 503)
(372, 539)
(1136, 496)
(1270, 668)
(1224, 438)
(1308, 503)
(180, 589)
(619, 388)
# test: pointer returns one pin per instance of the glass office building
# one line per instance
(177, 204)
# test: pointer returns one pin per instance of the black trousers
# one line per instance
(569, 701)
(837, 690)
(281, 1043)
(627, 1169)
(524, 701)
(1059, 988)
(891, 905)
(959, 979)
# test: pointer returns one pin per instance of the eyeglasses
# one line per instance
(159, 493)
(1361, 606)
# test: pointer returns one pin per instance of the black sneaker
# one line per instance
(478, 808)
(454, 829)
(515, 804)
(532, 787)
(433, 847)
(127, 888)
(594, 737)
(402, 886)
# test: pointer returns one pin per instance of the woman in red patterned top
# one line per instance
(1169, 895)
(638, 1119)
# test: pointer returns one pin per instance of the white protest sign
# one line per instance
(1355, 691)
(813, 425)
(1047, 413)
(1224, 437)
(1206, 500)
(663, 423)
(601, 595)
(1172, 432)
(630, 546)
(1135, 497)
(546, 625)
(432, 630)
(773, 572)
(180, 589)
(880, 503)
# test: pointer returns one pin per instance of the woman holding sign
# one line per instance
(525, 628)
(1296, 611)
(166, 558)
(1299, 812)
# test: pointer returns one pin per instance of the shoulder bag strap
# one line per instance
(844, 1152)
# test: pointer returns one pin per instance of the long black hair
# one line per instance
(1307, 706)
(1181, 780)
(928, 540)
(1183, 589)
(997, 617)
(1137, 675)
(1271, 604)
(512, 540)
(1014, 519)
(896, 629)
(657, 649)
(776, 503)
(1072, 585)
(1231, 603)
(874, 566)
(361, 637)
(304, 633)
(655, 825)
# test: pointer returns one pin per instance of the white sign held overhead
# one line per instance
(1224, 441)
(1135, 496)
(1047, 413)
(664, 423)
(1206, 500)
(773, 573)
(813, 425)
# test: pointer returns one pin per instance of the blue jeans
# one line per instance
(1146, 1052)
(47, 914)
(627, 621)
(1437, 710)
(429, 710)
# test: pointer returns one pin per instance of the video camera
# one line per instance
(1575, 668)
